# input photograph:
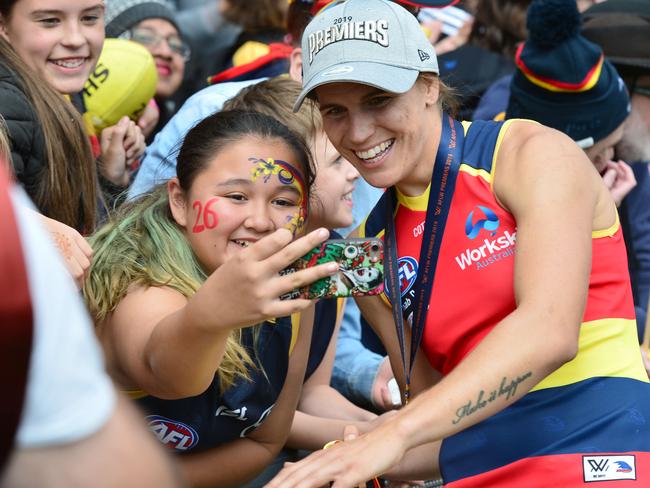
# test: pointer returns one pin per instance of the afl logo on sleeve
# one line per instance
(172, 434)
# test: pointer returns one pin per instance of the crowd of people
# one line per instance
(151, 335)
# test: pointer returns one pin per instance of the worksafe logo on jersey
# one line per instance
(407, 272)
(491, 250)
(173, 435)
(486, 219)
(344, 29)
(608, 468)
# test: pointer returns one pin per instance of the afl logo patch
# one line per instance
(407, 268)
(172, 434)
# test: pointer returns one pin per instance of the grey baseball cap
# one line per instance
(373, 42)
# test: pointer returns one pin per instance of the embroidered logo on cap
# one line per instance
(375, 31)
(423, 56)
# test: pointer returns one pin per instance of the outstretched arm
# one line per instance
(176, 347)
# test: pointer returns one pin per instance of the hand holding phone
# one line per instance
(361, 269)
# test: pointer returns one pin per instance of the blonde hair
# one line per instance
(275, 97)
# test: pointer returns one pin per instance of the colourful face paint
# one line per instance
(287, 175)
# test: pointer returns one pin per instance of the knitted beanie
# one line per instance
(563, 80)
(622, 29)
(121, 15)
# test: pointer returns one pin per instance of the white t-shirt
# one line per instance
(69, 395)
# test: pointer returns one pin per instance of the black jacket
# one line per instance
(24, 132)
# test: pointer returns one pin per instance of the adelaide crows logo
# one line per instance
(487, 220)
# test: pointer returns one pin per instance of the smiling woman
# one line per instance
(513, 378)
(60, 41)
(152, 23)
(47, 48)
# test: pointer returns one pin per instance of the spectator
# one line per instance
(563, 81)
(622, 28)
(152, 23)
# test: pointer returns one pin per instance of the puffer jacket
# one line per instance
(24, 132)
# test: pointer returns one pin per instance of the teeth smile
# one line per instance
(241, 243)
(374, 151)
(347, 197)
(69, 63)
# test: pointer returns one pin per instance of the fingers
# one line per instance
(278, 250)
(83, 245)
(281, 285)
(134, 144)
(350, 432)
(112, 138)
(149, 118)
(75, 256)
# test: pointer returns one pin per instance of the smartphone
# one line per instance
(361, 269)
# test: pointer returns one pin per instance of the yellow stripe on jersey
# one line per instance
(606, 347)
(295, 329)
(608, 232)
(497, 146)
(466, 168)
(135, 394)
(418, 203)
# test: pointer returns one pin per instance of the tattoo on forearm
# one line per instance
(507, 388)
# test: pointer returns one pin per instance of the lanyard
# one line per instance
(441, 190)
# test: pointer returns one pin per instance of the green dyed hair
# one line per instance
(143, 245)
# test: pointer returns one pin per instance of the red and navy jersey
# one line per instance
(215, 417)
(587, 421)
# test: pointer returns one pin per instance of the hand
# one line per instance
(121, 144)
(248, 285)
(149, 118)
(346, 464)
(619, 179)
(433, 28)
(74, 249)
(381, 392)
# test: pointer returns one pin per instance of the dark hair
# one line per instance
(67, 189)
(500, 25)
(210, 136)
(256, 15)
(298, 16)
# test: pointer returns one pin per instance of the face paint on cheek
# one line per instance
(288, 175)
(206, 218)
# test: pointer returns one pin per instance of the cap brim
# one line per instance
(392, 79)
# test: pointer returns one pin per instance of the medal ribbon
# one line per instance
(441, 190)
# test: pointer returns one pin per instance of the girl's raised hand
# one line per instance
(245, 290)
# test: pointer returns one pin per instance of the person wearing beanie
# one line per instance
(504, 254)
(152, 23)
(622, 29)
(564, 81)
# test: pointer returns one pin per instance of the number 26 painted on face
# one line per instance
(208, 217)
